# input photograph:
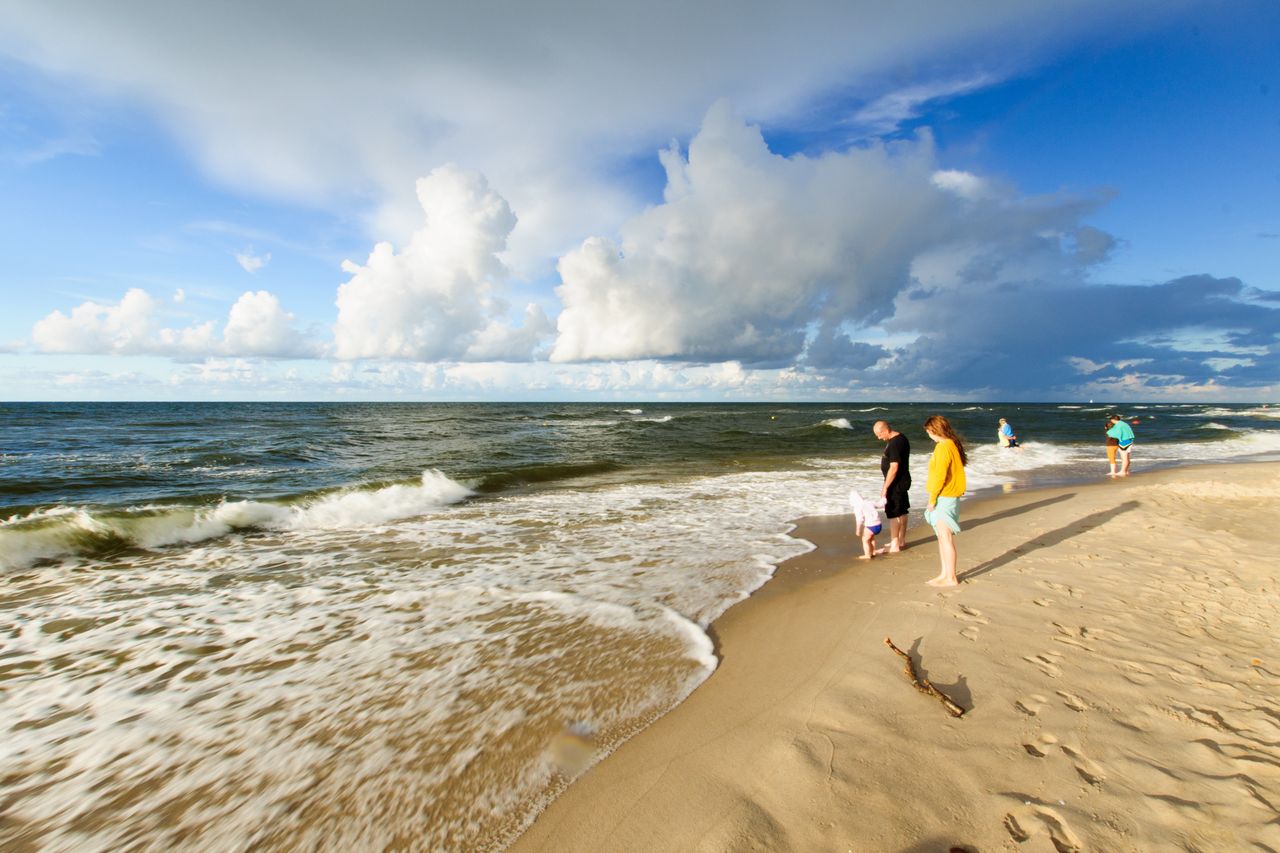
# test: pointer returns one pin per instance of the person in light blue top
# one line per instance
(1123, 433)
(1006, 435)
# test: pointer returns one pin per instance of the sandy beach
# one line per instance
(1113, 645)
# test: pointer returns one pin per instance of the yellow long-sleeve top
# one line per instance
(946, 474)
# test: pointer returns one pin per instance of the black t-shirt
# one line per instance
(897, 449)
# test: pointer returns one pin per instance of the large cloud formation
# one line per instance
(769, 259)
(750, 248)
(438, 298)
(821, 262)
(547, 100)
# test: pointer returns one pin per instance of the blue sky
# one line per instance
(836, 201)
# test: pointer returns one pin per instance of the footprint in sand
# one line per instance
(970, 633)
(1061, 588)
(1072, 636)
(1043, 602)
(1040, 818)
(970, 614)
(1047, 662)
(1015, 830)
(1031, 705)
(1088, 770)
(1041, 747)
(1073, 701)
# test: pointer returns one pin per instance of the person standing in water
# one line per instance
(1123, 434)
(897, 482)
(1113, 447)
(1006, 435)
(946, 485)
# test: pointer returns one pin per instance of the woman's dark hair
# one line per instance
(938, 425)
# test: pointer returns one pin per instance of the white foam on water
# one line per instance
(1270, 412)
(360, 656)
(1242, 445)
(1267, 413)
(837, 423)
(632, 411)
(339, 643)
(1212, 425)
(582, 424)
(1027, 456)
(662, 420)
(64, 531)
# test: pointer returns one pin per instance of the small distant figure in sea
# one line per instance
(867, 517)
(895, 466)
(946, 485)
(1123, 434)
(1006, 435)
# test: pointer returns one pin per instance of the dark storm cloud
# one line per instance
(1024, 339)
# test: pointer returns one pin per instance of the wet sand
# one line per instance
(1115, 647)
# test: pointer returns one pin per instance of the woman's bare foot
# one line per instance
(942, 582)
(863, 557)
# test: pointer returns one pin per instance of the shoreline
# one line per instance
(807, 735)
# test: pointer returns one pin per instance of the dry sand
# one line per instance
(1115, 646)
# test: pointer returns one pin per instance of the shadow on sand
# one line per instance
(1050, 539)
(966, 524)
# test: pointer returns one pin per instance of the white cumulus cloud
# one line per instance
(750, 249)
(809, 260)
(440, 296)
(256, 326)
(92, 327)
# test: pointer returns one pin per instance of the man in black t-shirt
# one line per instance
(894, 464)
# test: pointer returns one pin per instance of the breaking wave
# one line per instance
(66, 531)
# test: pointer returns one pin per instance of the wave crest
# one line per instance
(67, 531)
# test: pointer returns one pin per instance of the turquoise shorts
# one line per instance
(946, 511)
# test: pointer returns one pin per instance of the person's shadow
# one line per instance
(1008, 513)
(1019, 510)
(1050, 539)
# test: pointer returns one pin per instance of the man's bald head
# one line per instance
(882, 430)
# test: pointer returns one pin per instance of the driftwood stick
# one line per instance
(922, 684)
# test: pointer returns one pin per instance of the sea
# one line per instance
(350, 626)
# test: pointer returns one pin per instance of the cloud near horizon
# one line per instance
(256, 326)
(870, 270)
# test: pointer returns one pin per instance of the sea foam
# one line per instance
(67, 531)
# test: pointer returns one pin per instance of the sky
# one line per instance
(849, 200)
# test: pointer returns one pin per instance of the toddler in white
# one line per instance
(867, 516)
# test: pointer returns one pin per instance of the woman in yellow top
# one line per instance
(946, 485)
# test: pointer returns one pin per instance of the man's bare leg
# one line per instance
(897, 534)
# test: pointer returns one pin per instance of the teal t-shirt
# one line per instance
(1122, 433)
